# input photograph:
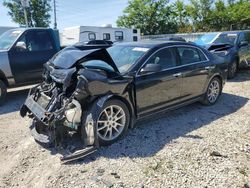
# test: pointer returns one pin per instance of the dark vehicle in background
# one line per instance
(233, 46)
(100, 93)
(23, 53)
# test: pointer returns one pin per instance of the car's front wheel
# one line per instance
(3, 92)
(213, 91)
(113, 122)
(232, 69)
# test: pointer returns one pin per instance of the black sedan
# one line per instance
(100, 93)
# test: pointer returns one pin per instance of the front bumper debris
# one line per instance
(52, 129)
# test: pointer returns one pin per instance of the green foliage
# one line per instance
(38, 12)
(159, 16)
(151, 16)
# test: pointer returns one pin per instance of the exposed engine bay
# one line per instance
(71, 96)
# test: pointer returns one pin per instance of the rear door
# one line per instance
(195, 71)
(27, 60)
(157, 90)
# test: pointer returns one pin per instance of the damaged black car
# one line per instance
(100, 93)
(233, 46)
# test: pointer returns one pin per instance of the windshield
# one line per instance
(206, 39)
(215, 38)
(226, 38)
(8, 38)
(125, 56)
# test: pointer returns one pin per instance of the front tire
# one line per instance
(213, 92)
(112, 123)
(3, 92)
(232, 69)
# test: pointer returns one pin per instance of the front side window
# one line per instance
(247, 34)
(106, 36)
(118, 35)
(165, 58)
(35, 41)
(92, 36)
(190, 55)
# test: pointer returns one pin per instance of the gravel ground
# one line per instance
(195, 146)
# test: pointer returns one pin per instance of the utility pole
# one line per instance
(55, 23)
(25, 4)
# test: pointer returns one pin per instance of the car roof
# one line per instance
(234, 32)
(154, 43)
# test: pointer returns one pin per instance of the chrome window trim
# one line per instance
(189, 46)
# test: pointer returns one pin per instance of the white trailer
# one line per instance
(72, 35)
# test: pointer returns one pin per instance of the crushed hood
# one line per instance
(218, 47)
(69, 56)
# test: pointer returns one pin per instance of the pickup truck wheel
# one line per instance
(232, 69)
(3, 92)
(213, 92)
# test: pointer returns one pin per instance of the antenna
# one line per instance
(55, 23)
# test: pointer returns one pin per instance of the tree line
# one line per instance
(161, 16)
(154, 16)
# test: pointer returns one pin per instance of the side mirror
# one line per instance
(243, 43)
(21, 46)
(150, 68)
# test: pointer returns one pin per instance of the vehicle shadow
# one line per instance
(150, 136)
(14, 101)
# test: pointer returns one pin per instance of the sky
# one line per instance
(79, 12)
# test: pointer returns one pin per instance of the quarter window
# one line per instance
(118, 35)
(106, 36)
(190, 55)
(165, 58)
(92, 36)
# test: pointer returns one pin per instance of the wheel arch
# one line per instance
(102, 100)
(3, 78)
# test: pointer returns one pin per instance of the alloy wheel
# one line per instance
(111, 122)
(213, 91)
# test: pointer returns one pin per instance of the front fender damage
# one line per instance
(56, 116)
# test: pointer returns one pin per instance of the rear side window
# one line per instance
(118, 35)
(92, 36)
(106, 36)
(190, 55)
(165, 58)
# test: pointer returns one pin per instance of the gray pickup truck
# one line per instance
(22, 55)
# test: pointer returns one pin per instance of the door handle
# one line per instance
(177, 74)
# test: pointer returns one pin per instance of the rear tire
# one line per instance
(232, 69)
(213, 92)
(3, 92)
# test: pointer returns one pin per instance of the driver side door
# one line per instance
(27, 60)
(156, 90)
